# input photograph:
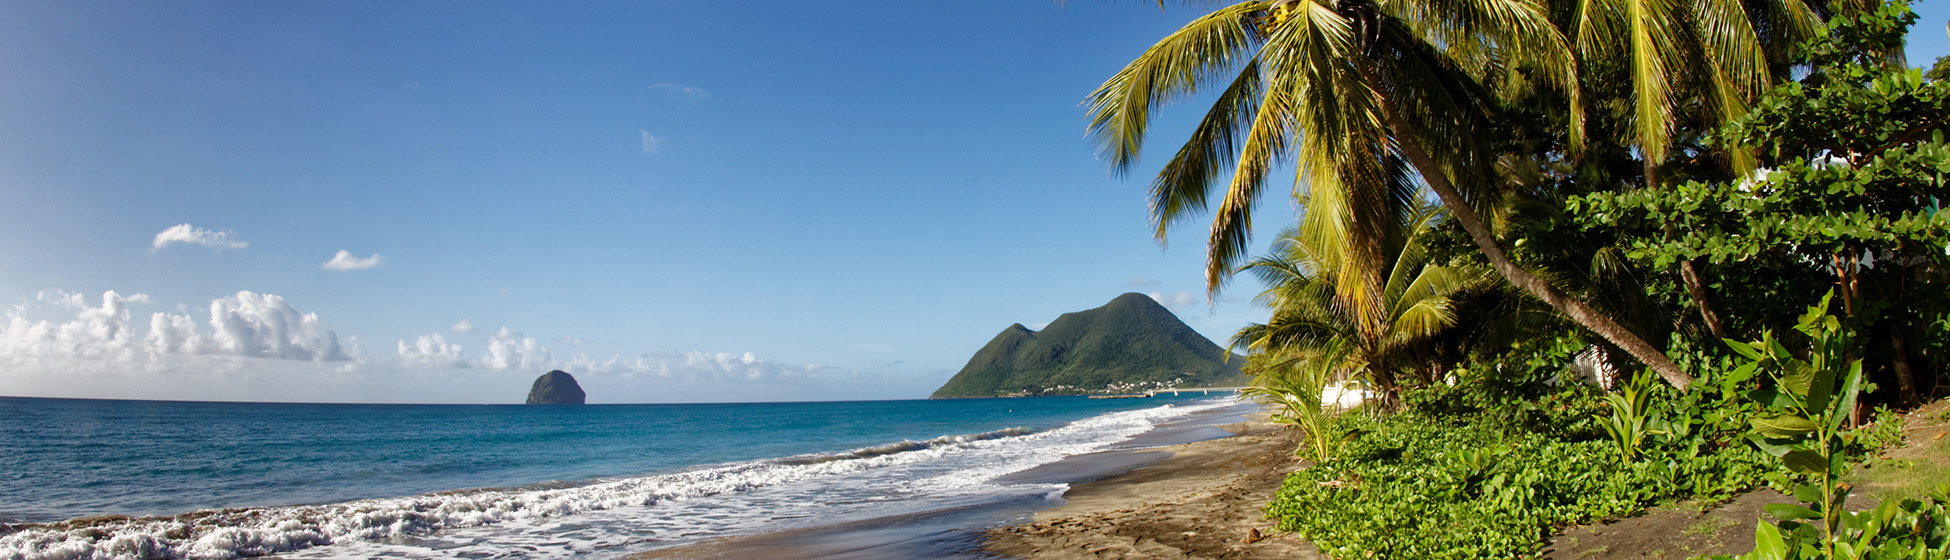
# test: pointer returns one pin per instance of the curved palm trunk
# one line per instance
(1688, 272)
(1697, 289)
(1479, 232)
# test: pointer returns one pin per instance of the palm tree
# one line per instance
(1341, 87)
(1311, 313)
(1297, 386)
(1712, 52)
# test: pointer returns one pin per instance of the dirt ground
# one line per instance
(1204, 502)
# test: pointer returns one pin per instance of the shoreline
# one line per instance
(1191, 488)
(961, 532)
(1204, 501)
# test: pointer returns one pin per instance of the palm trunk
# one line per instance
(1517, 276)
(1688, 272)
(1697, 289)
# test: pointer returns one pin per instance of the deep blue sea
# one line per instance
(479, 481)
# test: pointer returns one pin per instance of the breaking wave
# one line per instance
(877, 474)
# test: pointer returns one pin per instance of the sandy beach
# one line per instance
(1202, 502)
(1192, 490)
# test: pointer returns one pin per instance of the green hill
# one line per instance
(1132, 342)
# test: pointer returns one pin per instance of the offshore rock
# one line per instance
(556, 387)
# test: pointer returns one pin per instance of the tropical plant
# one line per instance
(1802, 427)
(1630, 414)
(1805, 410)
(1853, 200)
(1297, 388)
(1698, 63)
(1311, 314)
(1328, 84)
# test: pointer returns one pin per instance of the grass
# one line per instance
(1711, 525)
(1911, 471)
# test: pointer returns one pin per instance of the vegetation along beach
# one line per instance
(889, 280)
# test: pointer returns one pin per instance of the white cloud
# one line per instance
(174, 334)
(345, 261)
(245, 325)
(1180, 299)
(509, 350)
(432, 351)
(185, 233)
(462, 326)
(649, 142)
(1142, 283)
(572, 340)
(684, 92)
(95, 334)
(265, 326)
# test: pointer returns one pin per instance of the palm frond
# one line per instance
(1120, 109)
(1181, 187)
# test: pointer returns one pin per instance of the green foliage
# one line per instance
(1421, 486)
(1804, 412)
(1131, 342)
(1295, 389)
(1802, 427)
(1906, 529)
(1857, 160)
(1464, 472)
(1381, 315)
(1629, 415)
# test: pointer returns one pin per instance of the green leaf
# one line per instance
(1790, 511)
(1782, 426)
(1851, 387)
(1805, 461)
(1807, 493)
(1749, 351)
(1820, 388)
(1768, 544)
(1773, 447)
(1772, 398)
(1799, 377)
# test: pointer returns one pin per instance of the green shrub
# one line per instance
(1421, 486)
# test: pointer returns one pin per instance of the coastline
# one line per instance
(1204, 501)
(1193, 488)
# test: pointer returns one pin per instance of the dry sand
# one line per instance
(1205, 501)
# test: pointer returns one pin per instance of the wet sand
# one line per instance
(1203, 502)
(1192, 485)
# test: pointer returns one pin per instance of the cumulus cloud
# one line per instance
(96, 333)
(684, 92)
(1142, 283)
(345, 261)
(462, 327)
(432, 351)
(649, 142)
(185, 233)
(265, 326)
(509, 350)
(245, 325)
(1180, 299)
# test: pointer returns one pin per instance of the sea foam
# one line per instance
(614, 515)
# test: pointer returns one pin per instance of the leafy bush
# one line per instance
(1802, 426)
(1421, 486)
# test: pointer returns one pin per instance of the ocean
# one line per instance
(86, 479)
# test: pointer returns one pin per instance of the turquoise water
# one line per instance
(336, 480)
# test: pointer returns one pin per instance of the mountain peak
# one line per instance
(1130, 340)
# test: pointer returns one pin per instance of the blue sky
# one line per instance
(675, 201)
